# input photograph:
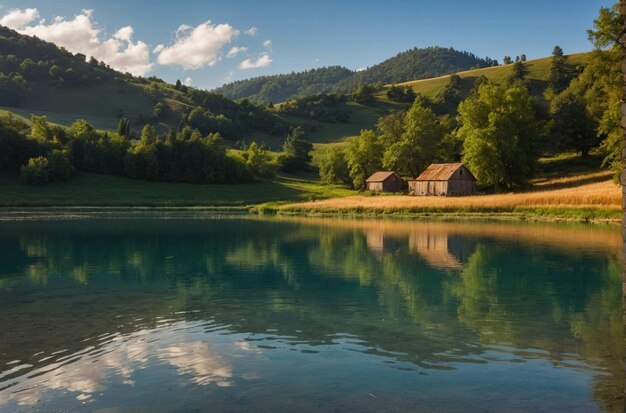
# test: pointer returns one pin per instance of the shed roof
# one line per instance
(380, 176)
(441, 172)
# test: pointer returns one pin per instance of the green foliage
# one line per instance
(519, 72)
(35, 172)
(420, 143)
(572, 126)
(363, 94)
(257, 160)
(559, 78)
(322, 107)
(601, 83)
(364, 156)
(410, 65)
(402, 94)
(452, 95)
(281, 88)
(44, 170)
(123, 128)
(334, 167)
(414, 64)
(507, 60)
(499, 133)
(297, 152)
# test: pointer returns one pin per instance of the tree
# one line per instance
(499, 133)
(507, 60)
(334, 167)
(178, 84)
(123, 128)
(572, 125)
(403, 94)
(519, 72)
(296, 150)
(363, 94)
(453, 93)
(522, 58)
(558, 78)
(364, 156)
(257, 160)
(601, 84)
(419, 144)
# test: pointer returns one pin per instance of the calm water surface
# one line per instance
(146, 314)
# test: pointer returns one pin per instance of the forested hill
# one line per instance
(415, 64)
(37, 77)
(410, 65)
(280, 88)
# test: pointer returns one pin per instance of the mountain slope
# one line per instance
(279, 88)
(410, 65)
(415, 64)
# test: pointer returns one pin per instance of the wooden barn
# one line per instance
(444, 179)
(385, 182)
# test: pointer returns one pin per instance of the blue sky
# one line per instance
(303, 34)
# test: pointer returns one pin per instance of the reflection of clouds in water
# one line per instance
(88, 371)
(197, 359)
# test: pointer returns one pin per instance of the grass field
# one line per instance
(582, 196)
(88, 189)
(538, 70)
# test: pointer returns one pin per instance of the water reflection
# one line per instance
(221, 304)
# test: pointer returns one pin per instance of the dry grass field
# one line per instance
(587, 191)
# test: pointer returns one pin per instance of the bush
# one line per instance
(42, 170)
(35, 172)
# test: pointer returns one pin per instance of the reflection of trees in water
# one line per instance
(431, 295)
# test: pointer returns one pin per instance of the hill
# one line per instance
(409, 65)
(279, 88)
(37, 77)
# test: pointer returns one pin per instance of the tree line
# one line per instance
(43, 153)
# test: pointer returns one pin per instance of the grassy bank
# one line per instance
(582, 197)
(88, 189)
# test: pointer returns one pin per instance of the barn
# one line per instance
(444, 179)
(385, 182)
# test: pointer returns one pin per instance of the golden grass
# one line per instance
(591, 190)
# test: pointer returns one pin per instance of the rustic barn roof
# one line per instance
(440, 172)
(380, 176)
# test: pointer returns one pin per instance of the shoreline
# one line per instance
(531, 214)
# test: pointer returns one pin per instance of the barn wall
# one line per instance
(375, 186)
(442, 188)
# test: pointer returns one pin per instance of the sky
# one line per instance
(207, 43)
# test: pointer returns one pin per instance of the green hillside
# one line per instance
(537, 73)
(279, 88)
(409, 65)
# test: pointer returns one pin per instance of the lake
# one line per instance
(190, 312)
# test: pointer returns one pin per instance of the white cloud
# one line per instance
(263, 61)
(188, 81)
(267, 44)
(235, 51)
(196, 47)
(81, 35)
(17, 18)
(252, 31)
(360, 69)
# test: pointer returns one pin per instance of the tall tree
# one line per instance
(507, 60)
(499, 133)
(420, 142)
(334, 168)
(558, 70)
(123, 128)
(572, 125)
(364, 156)
(601, 83)
(297, 151)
